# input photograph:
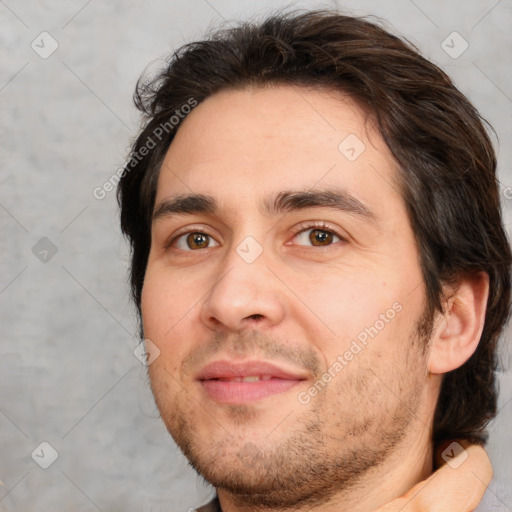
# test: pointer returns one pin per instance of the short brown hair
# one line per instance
(447, 165)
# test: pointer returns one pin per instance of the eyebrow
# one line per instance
(283, 202)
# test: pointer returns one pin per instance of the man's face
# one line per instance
(290, 363)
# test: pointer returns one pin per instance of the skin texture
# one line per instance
(458, 488)
(363, 438)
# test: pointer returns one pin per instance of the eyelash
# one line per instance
(320, 226)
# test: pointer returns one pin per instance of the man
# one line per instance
(319, 258)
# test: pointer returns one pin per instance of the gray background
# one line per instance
(68, 375)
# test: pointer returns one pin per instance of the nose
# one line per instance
(243, 295)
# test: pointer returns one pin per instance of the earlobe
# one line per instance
(458, 331)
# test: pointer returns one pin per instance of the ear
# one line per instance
(458, 331)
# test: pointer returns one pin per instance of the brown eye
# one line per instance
(193, 240)
(197, 240)
(319, 237)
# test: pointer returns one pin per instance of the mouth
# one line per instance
(229, 382)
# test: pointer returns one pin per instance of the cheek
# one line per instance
(167, 319)
(364, 310)
(165, 300)
(347, 303)
(153, 307)
(169, 306)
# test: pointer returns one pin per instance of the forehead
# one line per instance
(240, 143)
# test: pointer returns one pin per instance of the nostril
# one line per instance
(256, 316)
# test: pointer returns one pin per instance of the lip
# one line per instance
(213, 379)
(224, 369)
